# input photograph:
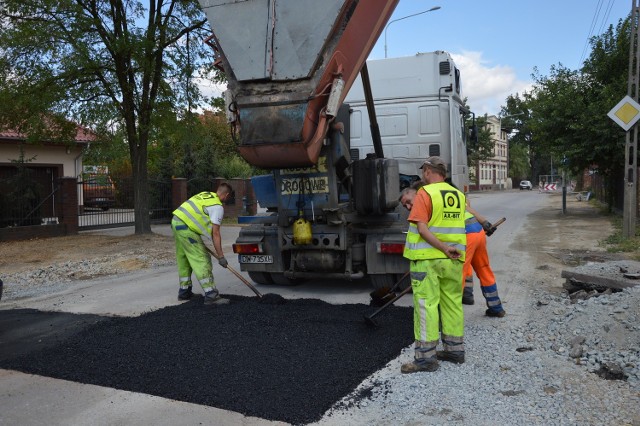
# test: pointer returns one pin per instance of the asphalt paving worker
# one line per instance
(435, 247)
(201, 215)
(477, 259)
(478, 228)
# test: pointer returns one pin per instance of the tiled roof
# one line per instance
(82, 135)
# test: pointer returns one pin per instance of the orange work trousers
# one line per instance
(477, 259)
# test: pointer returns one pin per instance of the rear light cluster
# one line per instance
(252, 248)
(390, 248)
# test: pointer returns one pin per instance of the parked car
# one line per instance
(525, 184)
(98, 191)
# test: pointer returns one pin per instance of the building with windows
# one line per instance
(493, 173)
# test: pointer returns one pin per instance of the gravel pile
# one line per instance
(540, 370)
(53, 278)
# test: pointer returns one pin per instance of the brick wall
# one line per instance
(30, 232)
(67, 204)
(67, 213)
(241, 203)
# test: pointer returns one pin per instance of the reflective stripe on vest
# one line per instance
(446, 223)
(471, 224)
(193, 212)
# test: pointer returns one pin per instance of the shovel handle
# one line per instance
(237, 274)
(397, 284)
(499, 222)
(390, 302)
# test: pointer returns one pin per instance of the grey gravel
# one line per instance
(552, 381)
(55, 278)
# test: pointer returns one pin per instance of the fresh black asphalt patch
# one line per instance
(288, 362)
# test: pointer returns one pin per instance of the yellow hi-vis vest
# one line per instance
(446, 223)
(192, 212)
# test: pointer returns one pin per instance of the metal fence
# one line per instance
(27, 201)
(103, 201)
(111, 204)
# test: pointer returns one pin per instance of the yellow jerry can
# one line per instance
(302, 232)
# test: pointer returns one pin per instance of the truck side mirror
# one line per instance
(473, 135)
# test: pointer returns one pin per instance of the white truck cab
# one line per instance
(420, 113)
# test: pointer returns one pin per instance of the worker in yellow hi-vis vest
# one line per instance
(201, 215)
(435, 247)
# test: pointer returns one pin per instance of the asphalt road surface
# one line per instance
(33, 399)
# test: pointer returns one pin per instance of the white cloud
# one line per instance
(487, 87)
(210, 88)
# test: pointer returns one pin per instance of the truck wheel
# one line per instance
(379, 281)
(280, 279)
(263, 278)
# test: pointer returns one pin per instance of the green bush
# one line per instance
(233, 167)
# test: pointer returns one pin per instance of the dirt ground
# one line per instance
(560, 241)
(130, 252)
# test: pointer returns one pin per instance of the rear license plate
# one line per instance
(255, 258)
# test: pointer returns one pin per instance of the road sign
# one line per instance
(626, 113)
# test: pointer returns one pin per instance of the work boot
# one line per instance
(185, 293)
(213, 298)
(450, 356)
(413, 367)
(495, 314)
(467, 296)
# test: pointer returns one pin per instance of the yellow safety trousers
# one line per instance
(436, 283)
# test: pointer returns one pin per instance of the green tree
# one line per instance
(522, 152)
(105, 64)
(569, 109)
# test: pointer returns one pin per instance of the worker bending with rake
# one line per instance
(201, 215)
(435, 247)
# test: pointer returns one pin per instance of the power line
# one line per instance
(605, 19)
(593, 24)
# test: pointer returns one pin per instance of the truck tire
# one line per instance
(379, 281)
(280, 279)
(266, 278)
(263, 278)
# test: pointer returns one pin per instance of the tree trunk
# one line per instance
(141, 190)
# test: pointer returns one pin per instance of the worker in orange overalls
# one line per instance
(478, 228)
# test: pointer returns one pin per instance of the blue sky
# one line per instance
(497, 43)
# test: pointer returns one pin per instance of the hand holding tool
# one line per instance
(236, 273)
(489, 229)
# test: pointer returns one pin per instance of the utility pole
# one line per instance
(631, 141)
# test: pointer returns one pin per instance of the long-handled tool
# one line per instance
(499, 222)
(494, 227)
(382, 295)
(369, 319)
(237, 274)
